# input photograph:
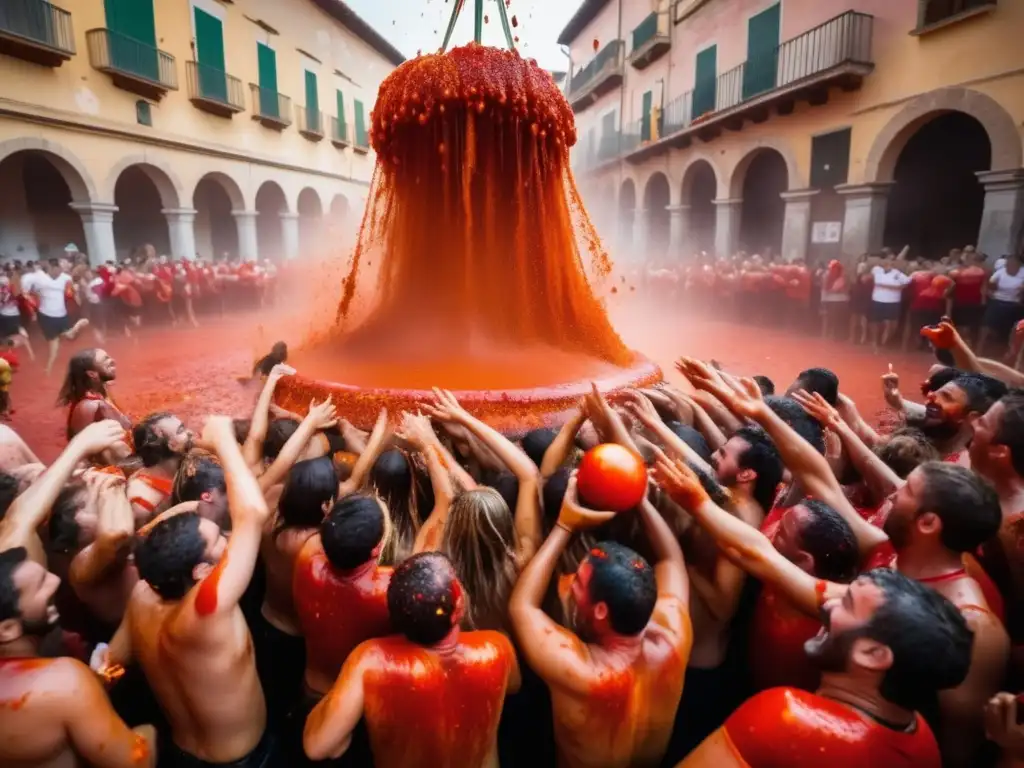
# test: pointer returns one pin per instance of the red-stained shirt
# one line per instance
(921, 297)
(969, 284)
(429, 710)
(778, 632)
(787, 728)
(798, 284)
(337, 614)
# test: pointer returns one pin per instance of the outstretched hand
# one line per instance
(279, 371)
(679, 482)
(944, 335)
(416, 430)
(574, 516)
(640, 407)
(446, 408)
(323, 415)
(818, 408)
(743, 400)
(98, 436)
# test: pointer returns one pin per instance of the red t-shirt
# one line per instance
(922, 297)
(969, 284)
(778, 632)
(798, 286)
(787, 728)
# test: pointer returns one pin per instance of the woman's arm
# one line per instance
(561, 447)
(252, 450)
(368, 457)
(320, 416)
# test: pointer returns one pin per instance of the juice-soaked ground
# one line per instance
(193, 372)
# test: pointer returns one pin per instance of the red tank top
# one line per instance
(787, 728)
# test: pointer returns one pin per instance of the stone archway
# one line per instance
(697, 196)
(765, 176)
(214, 199)
(340, 211)
(311, 216)
(163, 178)
(271, 208)
(626, 213)
(80, 183)
(657, 195)
(142, 194)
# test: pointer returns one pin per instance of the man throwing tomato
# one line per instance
(617, 677)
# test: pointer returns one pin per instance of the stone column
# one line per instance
(864, 219)
(181, 227)
(727, 226)
(248, 243)
(796, 227)
(98, 225)
(290, 235)
(638, 249)
(1002, 219)
(678, 229)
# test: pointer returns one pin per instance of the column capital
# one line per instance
(97, 211)
(873, 189)
(245, 214)
(799, 195)
(727, 202)
(678, 209)
(1002, 181)
(179, 214)
(288, 215)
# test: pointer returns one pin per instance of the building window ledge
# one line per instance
(956, 18)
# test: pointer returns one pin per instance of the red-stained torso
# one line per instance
(788, 728)
(778, 632)
(336, 614)
(426, 709)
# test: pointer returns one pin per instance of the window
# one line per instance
(312, 102)
(133, 37)
(762, 51)
(645, 116)
(267, 63)
(830, 159)
(935, 12)
(705, 82)
(213, 83)
(144, 113)
(342, 126)
(361, 139)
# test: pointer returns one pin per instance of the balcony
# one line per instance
(310, 123)
(36, 31)
(836, 54)
(651, 40)
(131, 64)
(339, 133)
(936, 14)
(213, 90)
(603, 74)
(362, 142)
(271, 108)
(609, 150)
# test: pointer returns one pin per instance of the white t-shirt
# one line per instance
(1007, 287)
(92, 290)
(8, 303)
(888, 285)
(50, 290)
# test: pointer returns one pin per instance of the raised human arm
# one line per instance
(1004, 728)
(96, 732)
(606, 421)
(643, 410)
(220, 592)
(702, 422)
(252, 450)
(743, 544)
(329, 727)
(561, 447)
(115, 527)
(32, 507)
(945, 336)
(669, 567)
(320, 416)
(552, 651)
(428, 538)
(366, 460)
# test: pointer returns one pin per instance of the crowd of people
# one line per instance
(61, 296)
(797, 587)
(882, 298)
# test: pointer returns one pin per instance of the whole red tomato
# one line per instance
(611, 478)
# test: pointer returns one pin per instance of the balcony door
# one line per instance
(132, 38)
(312, 102)
(645, 117)
(705, 82)
(267, 63)
(213, 82)
(762, 51)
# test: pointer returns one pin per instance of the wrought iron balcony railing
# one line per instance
(310, 122)
(362, 143)
(339, 133)
(651, 39)
(604, 71)
(213, 90)
(36, 31)
(132, 64)
(271, 108)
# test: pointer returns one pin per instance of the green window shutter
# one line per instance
(360, 125)
(133, 36)
(705, 82)
(213, 82)
(267, 64)
(312, 101)
(762, 51)
(342, 127)
(645, 119)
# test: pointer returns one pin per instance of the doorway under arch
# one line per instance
(311, 216)
(763, 210)
(139, 220)
(270, 204)
(216, 231)
(627, 211)
(656, 200)
(700, 187)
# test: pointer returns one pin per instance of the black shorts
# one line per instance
(919, 318)
(10, 325)
(1001, 316)
(263, 755)
(280, 664)
(52, 327)
(968, 315)
(884, 312)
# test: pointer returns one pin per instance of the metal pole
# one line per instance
(451, 25)
(504, 25)
(478, 22)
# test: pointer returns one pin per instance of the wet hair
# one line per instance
(507, 486)
(692, 438)
(77, 383)
(480, 540)
(967, 505)
(352, 530)
(422, 598)
(822, 381)
(1010, 431)
(241, 428)
(831, 541)
(10, 596)
(63, 531)
(197, 474)
(149, 446)
(766, 385)
(928, 636)
(981, 390)
(310, 485)
(763, 457)
(278, 354)
(624, 581)
(168, 553)
(394, 480)
(941, 378)
(905, 450)
(791, 412)
(9, 487)
(710, 485)
(536, 443)
(278, 432)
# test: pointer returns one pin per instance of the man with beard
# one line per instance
(185, 627)
(950, 410)
(887, 645)
(431, 696)
(616, 677)
(53, 711)
(997, 454)
(161, 442)
(85, 394)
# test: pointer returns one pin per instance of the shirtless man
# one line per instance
(185, 627)
(617, 676)
(949, 413)
(201, 479)
(432, 696)
(161, 441)
(53, 712)
(84, 392)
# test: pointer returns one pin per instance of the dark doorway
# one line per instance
(139, 220)
(627, 210)
(763, 207)
(270, 204)
(656, 200)
(703, 187)
(35, 220)
(216, 229)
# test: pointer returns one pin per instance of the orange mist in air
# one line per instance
(474, 213)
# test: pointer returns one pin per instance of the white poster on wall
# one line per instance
(827, 232)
